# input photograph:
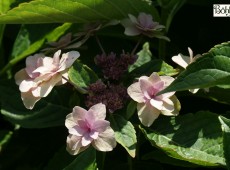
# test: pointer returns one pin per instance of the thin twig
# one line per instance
(99, 43)
(135, 48)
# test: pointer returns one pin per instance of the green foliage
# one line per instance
(84, 161)
(81, 76)
(75, 11)
(125, 133)
(196, 138)
(225, 124)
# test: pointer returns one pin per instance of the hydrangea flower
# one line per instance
(143, 24)
(89, 127)
(41, 74)
(184, 61)
(149, 104)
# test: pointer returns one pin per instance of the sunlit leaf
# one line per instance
(225, 124)
(125, 133)
(80, 11)
(196, 138)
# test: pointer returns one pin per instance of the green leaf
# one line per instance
(31, 38)
(131, 109)
(144, 56)
(81, 76)
(125, 133)
(60, 160)
(75, 11)
(225, 124)
(47, 112)
(212, 69)
(153, 66)
(196, 138)
(161, 157)
(85, 161)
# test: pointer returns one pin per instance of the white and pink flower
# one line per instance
(149, 104)
(89, 127)
(41, 74)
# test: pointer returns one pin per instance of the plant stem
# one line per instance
(135, 48)
(130, 162)
(99, 43)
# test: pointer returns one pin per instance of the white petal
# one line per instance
(105, 141)
(69, 121)
(45, 87)
(181, 60)
(29, 100)
(193, 90)
(176, 110)
(26, 85)
(74, 146)
(134, 91)
(68, 59)
(20, 76)
(156, 103)
(147, 114)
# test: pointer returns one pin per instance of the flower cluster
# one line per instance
(89, 127)
(114, 67)
(41, 74)
(149, 104)
(113, 96)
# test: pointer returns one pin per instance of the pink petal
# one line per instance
(181, 60)
(105, 141)
(32, 62)
(20, 76)
(147, 114)
(101, 125)
(156, 103)
(132, 31)
(68, 59)
(78, 131)
(146, 88)
(145, 20)
(134, 91)
(45, 88)
(99, 111)
(94, 134)
(29, 100)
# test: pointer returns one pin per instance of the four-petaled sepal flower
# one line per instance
(149, 104)
(89, 127)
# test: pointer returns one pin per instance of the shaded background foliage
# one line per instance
(193, 26)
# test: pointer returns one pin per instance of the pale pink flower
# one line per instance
(143, 24)
(184, 61)
(149, 104)
(41, 74)
(89, 127)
